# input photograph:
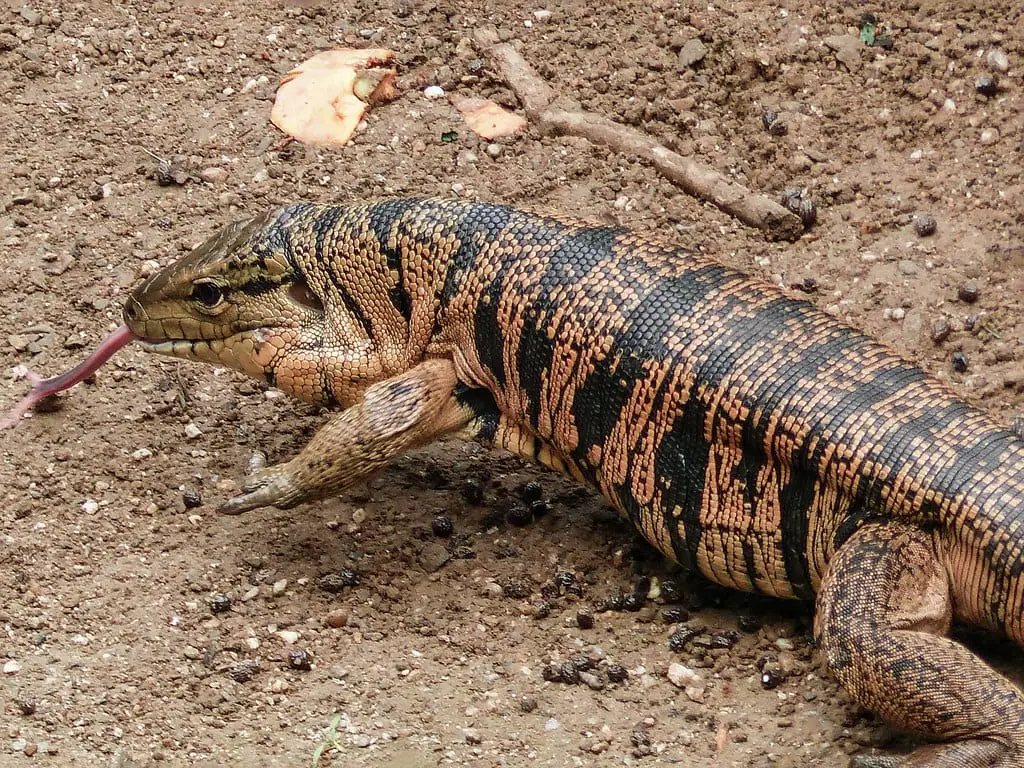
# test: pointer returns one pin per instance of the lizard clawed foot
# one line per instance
(270, 487)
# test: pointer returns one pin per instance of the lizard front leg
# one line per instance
(395, 415)
(883, 611)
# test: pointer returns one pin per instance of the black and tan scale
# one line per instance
(745, 434)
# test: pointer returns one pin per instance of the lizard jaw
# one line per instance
(248, 351)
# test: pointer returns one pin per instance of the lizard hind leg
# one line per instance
(883, 611)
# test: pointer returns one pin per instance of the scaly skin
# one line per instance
(747, 435)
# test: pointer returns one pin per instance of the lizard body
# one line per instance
(745, 434)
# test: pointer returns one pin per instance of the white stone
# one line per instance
(434, 92)
(12, 667)
(989, 136)
(682, 676)
(192, 431)
(998, 60)
(142, 453)
(279, 587)
(90, 507)
(288, 636)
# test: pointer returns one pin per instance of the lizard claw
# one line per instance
(270, 487)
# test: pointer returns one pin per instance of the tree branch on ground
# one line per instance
(557, 115)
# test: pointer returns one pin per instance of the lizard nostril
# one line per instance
(131, 311)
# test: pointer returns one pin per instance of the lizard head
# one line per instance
(237, 300)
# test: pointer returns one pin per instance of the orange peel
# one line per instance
(487, 119)
(322, 100)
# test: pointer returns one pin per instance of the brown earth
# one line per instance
(111, 654)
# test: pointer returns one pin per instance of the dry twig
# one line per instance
(558, 115)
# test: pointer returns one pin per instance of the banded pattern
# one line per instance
(744, 433)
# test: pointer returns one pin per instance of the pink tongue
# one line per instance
(43, 388)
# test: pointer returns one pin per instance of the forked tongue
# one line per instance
(43, 388)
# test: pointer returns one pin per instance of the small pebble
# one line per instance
(527, 703)
(336, 582)
(682, 676)
(925, 225)
(434, 92)
(989, 136)
(770, 678)
(336, 619)
(473, 492)
(517, 589)
(494, 150)
(616, 673)
(519, 515)
(244, 671)
(191, 498)
(683, 635)
(12, 667)
(633, 603)
(561, 672)
(442, 526)
(671, 591)
(675, 614)
(959, 361)
(998, 60)
(168, 173)
(941, 330)
(772, 123)
(749, 624)
(593, 681)
(279, 587)
(987, 85)
(567, 584)
(585, 620)
(799, 202)
(472, 735)
(531, 491)
(288, 636)
(220, 603)
(300, 659)
(214, 175)
(969, 292)
(971, 321)
(907, 267)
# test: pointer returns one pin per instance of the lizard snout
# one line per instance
(134, 314)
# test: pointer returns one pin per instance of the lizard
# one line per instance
(746, 434)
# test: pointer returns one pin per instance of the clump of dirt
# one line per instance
(141, 628)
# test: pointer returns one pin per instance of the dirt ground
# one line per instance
(139, 632)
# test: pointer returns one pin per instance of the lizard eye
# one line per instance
(208, 294)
